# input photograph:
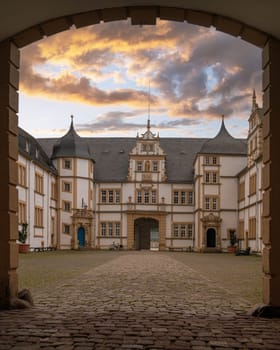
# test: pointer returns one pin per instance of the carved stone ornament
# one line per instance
(211, 218)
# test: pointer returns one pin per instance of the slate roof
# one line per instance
(224, 143)
(111, 154)
(42, 158)
(71, 145)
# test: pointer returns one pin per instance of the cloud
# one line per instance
(121, 121)
(194, 72)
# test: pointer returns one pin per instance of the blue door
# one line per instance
(81, 237)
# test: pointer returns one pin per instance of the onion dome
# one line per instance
(224, 143)
(71, 145)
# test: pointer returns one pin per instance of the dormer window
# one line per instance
(144, 147)
(37, 153)
(27, 146)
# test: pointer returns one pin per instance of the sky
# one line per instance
(112, 76)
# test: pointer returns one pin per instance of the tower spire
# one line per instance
(72, 123)
(254, 101)
(149, 108)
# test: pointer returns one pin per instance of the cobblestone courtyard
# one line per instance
(140, 300)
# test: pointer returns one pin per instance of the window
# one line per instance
(139, 166)
(103, 228)
(211, 160)
(118, 229)
(252, 184)
(53, 190)
(146, 196)
(139, 196)
(190, 231)
(66, 187)
(22, 175)
(183, 230)
(214, 178)
(21, 213)
(241, 229)
(110, 229)
(176, 197)
(103, 196)
(211, 177)
(214, 203)
(37, 153)
(38, 219)
(190, 198)
(241, 191)
(211, 203)
(39, 183)
(110, 196)
(155, 166)
(118, 196)
(144, 148)
(66, 206)
(154, 197)
(152, 148)
(176, 230)
(27, 146)
(67, 164)
(66, 229)
(183, 197)
(252, 228)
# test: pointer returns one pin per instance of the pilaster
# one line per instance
(9, 81)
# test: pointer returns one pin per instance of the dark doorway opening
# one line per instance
(211, 238)
(145, 233)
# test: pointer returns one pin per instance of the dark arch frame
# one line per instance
(140, 15)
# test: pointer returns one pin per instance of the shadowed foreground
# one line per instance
(139, 300)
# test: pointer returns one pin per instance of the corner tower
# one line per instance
(75, 165)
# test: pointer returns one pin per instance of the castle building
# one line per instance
(142, 193)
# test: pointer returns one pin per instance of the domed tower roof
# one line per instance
(224, 143)
(71, 145)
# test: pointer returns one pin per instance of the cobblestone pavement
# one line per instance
(140, 300)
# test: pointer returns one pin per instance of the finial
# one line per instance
(149, 107)
(72, 123)
(254, 101)
(223, 117)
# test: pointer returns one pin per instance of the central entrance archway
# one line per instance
(146, 234)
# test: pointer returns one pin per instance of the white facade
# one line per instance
(69, 207)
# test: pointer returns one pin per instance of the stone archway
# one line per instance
(9, 79)
(146, 232)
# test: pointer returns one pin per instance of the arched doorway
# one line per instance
(146, 235)
(81, 236)
(211, 238)
(54, 22)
